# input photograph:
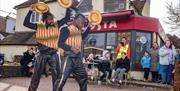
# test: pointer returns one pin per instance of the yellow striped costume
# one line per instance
(48, 36)
(74, 38)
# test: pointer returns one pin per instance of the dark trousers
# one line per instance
(159, 77)
(154, 76)
(41, 60)
(73, 65)
(167, 73)
(104, 71)
(25, 70)
(146, 73)
(0, 70)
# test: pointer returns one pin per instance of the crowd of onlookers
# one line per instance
(159, 61)
(106, 67)
(28, 62)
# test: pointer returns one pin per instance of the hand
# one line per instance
(32, 7)
(75, 49)
(173, 71)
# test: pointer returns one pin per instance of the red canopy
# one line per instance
(126, 20)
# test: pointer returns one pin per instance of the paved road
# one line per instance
(21, 84)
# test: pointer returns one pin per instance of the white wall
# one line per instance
(10, 50)
(1, 37)
(58, 12)
(10, 24)
(98, 5)
(146, 9)
(138, 75)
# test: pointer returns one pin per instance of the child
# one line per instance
(146, 64)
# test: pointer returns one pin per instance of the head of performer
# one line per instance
(79, 21)
(48, 18)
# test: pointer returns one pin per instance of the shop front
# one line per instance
(140, 33)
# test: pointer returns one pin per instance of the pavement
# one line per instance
(22, 83)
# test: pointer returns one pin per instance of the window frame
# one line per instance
(115, 9)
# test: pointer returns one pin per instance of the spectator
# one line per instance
(122, 66)
(167, 55)
(105, 66)
(123, 46)
(90, 59)
(27, 62)
(159, 68)
(154, 61)
(146, 64)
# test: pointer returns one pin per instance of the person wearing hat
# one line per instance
(47, 34)
(70, 43)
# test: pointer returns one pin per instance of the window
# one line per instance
(35, 17)
(98, 38)
(143, 42)
(114, 5)
(124, 34)
(111, 39)
(85, 6)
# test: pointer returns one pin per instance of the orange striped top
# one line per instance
(47, 36)
(74, 38)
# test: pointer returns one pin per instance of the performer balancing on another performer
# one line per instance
(47, 36)
(70, 41)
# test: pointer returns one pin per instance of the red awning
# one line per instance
(133, 22)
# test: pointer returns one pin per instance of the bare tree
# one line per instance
(173, 18)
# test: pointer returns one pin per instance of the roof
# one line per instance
(175, 40)
(127, 20)
(4, 34)
(19, 38)
(30, 2)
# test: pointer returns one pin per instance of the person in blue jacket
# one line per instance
(146, 64)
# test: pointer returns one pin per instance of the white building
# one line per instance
(12, 49)
(59, 12)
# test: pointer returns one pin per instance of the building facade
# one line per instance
(59, 12)
(127, 23)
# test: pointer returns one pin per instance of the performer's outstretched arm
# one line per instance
(86, 32)
(65, 19)
(62, 40)
(27, 22)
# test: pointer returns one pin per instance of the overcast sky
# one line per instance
(158, 9)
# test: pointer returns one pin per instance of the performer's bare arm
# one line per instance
(27, 22)
(65, 19)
